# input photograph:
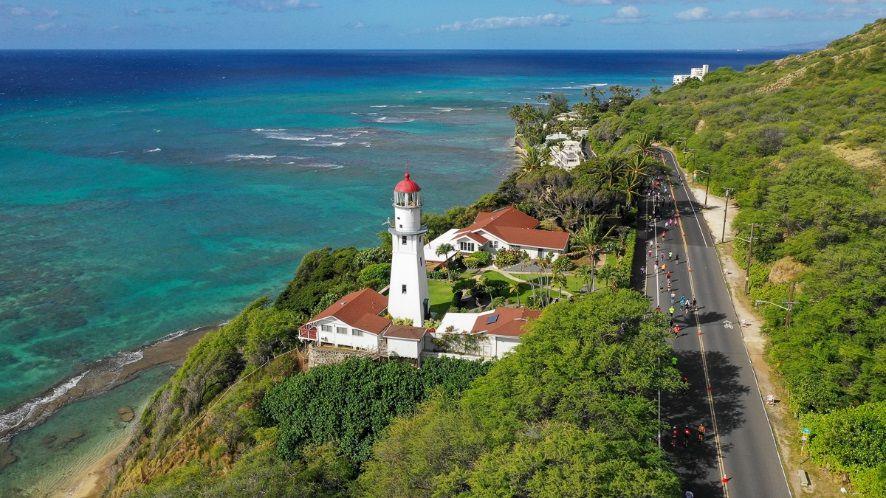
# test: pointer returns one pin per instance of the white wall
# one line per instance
(408, 268)
(504, 345)
(403, 348)
(367, 340)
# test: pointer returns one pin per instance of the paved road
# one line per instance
(723, 393)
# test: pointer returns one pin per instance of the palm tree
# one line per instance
(514, 290)
(585, 272)
(533, 158)
(633, 177)
(643, 144)
(444, 250)
(611, 167)
(591, 241)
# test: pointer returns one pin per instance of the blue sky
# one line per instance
(447, 24)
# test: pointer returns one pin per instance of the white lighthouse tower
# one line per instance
(408, 294)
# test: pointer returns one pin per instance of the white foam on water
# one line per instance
(328, 144)
(23, 414)
(324, 166)
(156, 149)
(125, 358)
(390, 120)
(577, 87)
(378, 106)
(247, 157)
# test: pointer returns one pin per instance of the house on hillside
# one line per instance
(696, 72)
(505, 228)
(356, 321)
(366, 320)
(353, 321)
(496, 332)
(567, 155)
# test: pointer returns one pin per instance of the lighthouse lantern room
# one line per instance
(408, 293)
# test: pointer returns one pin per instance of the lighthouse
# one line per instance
(408, 293)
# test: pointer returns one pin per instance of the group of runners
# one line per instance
(664, 262)
(683, 437)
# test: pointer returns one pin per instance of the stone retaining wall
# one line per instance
(319, 355)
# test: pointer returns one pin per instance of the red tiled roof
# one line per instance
(531, 237)
(507, 216)
(405, 332)
(476, 237)
(359, 309)
(515, 227)
(509, 322)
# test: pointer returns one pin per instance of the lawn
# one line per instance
(525, 289)
(440, 295)
(574, 283)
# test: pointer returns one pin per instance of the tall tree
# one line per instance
(591, 241)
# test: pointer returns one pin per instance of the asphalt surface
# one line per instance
(723, 395)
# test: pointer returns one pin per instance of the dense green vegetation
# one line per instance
(347, 403)
(570, 413)
(801, 141)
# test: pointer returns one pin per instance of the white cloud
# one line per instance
(44, 26)
(586, 2)
(502, 22)
(626, 14)
(694, 14)
(762, 13)
(272, 5)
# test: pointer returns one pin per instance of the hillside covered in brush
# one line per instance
(800, 142)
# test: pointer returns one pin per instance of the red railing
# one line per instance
(307, 332)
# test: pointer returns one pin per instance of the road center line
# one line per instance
(704, 361)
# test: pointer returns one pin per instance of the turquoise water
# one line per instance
(143, 193)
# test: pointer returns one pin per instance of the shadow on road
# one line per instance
(695, 461)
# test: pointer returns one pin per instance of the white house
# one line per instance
(404, 341)
(505, 228)
(498, 330)
(353, 321)
(696, 72)
(556, 137)
(567, 155)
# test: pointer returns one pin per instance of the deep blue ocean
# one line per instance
(146, 192)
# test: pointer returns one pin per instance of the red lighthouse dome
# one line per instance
(406, 185)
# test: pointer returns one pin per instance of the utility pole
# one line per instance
(725, 210)
(747, 278)
(707, 186)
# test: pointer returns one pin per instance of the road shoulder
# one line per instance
(784, 425)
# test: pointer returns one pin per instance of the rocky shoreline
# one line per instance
(95, 380)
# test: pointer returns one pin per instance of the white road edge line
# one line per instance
(744, 343)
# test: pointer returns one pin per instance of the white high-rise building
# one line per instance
(408, 293)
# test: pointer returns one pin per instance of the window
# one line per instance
(466, 246)
(403, 289)
(541, 253)
(403, 240)
(341, 330)
(356, 333)
(326, 328)
(495, 244)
